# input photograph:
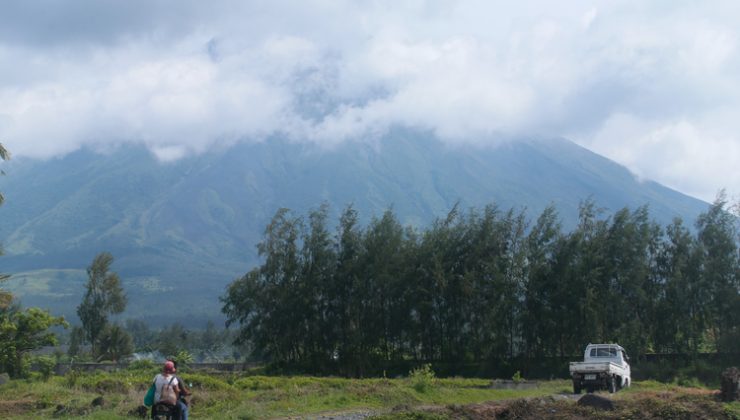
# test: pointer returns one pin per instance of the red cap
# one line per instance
(169, 367)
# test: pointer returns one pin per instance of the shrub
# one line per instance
(25, 368)
(201, 381)
(110, 385)
(183, 358)
(422, 378)
(688, 382)
(72, 377)
(142, 364)
(256, 383)
(704, 372)
(517, 377)
(46, 365)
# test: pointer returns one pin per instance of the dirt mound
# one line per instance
(596, 401)
(16, 408)
(649, 405)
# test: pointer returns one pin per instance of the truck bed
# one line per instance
(593, 367)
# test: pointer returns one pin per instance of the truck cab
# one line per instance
(604, 366)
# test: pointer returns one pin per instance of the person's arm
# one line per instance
(183, 388)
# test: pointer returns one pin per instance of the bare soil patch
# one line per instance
(10, 408)
(691, 405)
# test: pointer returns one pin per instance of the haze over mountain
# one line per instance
(181, 231)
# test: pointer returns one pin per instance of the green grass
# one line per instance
(239, 396)
(733, 409)
(235, 396)
(264, 397)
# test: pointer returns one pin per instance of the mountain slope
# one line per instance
(182, 231)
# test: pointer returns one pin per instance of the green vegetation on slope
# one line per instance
(190, 226)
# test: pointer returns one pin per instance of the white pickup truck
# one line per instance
(604, 366)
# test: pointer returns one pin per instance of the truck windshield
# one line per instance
(603, 352)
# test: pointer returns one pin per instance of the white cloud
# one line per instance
(588, 18)
(671, 151)
(169, 153)
(651, 85)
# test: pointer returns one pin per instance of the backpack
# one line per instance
(168, 394)
(149, 397)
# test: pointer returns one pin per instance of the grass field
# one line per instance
(237, 396)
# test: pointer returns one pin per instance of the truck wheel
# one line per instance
(576, 387)
(611, 383)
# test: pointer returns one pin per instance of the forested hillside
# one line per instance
(484, 285)
(186, 228)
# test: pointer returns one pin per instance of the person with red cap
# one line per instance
(182, 403)
(167, 390)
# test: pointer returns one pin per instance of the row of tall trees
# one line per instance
(487, 285)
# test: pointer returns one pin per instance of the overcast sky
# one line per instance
(652, 85)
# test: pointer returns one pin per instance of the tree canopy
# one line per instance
(104, 296)
(22, 331)
(486, 285)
